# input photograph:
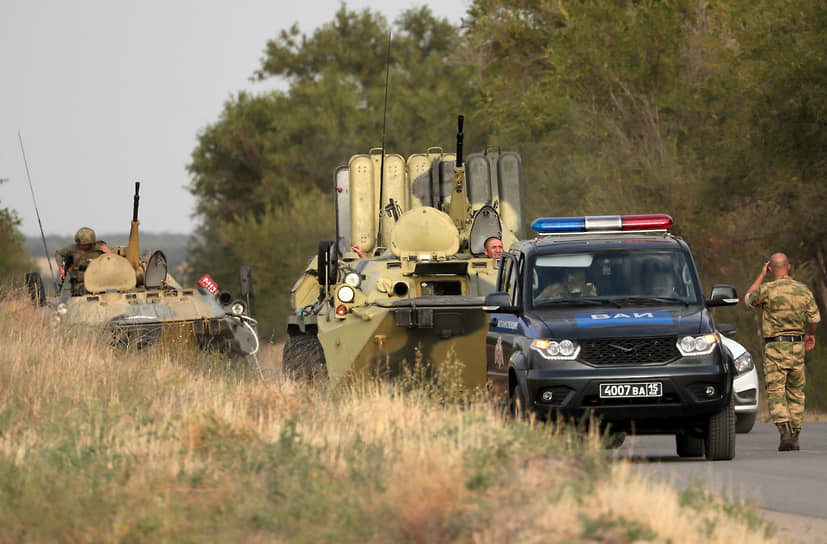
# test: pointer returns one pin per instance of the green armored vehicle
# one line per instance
(139, 304)
(405, 280)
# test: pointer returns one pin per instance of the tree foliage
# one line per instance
(262, 174)
(14, 259)
(712, 112)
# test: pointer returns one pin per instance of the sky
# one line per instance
(104, 93)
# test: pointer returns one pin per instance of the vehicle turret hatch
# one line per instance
(486, 224)
(156, 270)
(109, 272)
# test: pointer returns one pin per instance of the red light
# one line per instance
(646, 222)
(341, 310)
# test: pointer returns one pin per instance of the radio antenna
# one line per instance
(36, 211)
(382, 162)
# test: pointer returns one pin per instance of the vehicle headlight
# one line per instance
(558, 350)
(697, 345)
(237, 308)
(353, 279)
(62, 309)
(345, 293)
(744, 363)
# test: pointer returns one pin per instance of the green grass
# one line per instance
(179, 446)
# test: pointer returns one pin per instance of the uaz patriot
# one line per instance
(604, 317)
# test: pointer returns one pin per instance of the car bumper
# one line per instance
(746, 392)
(575, 392)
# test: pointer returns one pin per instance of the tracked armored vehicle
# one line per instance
(404, 282)
(137, 303)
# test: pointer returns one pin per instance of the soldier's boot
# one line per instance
(786, 433)
(796, 432)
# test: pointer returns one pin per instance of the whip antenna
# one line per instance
(36, 211)
(382, 162)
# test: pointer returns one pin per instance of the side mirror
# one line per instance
(722, 295)
(727, 329)
(499, 302)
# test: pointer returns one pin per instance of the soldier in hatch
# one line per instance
(789, 318)
(72, 260)
(493, 247)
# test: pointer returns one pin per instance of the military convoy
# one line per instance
(138, 303)
(404, 282)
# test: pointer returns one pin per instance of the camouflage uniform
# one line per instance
(787, 306)
(74, 259)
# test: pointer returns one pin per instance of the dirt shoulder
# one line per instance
(797, 529)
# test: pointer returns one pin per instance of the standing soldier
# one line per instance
(789, 317)
(72, 260)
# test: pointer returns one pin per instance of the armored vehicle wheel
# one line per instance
(689, 445)
(34, 284)
(744, 422)
(614, 441)
(720, 437)
(303, 358)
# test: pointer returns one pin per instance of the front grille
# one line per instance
(654, 350)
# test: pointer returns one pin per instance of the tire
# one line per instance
(34, 285)
(614, 441)
(720, 436)
(517, 405)
(689, 445)
(303, 358)
(744, 422)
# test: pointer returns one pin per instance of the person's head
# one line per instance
(85, 237)
(493, 247)
(575, 280)
(779, 265)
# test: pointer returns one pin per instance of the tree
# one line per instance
(263, 171)
(14, 260)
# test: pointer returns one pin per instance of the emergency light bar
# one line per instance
(591, 223)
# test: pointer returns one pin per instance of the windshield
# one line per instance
(613, 276)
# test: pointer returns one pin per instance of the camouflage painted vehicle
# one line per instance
(139, 304)
(416, 295)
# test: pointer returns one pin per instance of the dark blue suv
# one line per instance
(604, 317)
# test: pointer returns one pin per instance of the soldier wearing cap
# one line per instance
(789, 317)
(73, 259)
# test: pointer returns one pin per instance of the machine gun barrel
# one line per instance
(133, 248)
(459, 141)
(135, 201)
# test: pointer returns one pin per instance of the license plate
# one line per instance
(630, 390)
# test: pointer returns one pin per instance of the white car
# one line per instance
(745, 386)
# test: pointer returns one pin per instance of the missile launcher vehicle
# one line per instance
(404, 282)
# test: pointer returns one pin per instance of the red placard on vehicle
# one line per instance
(208, 283)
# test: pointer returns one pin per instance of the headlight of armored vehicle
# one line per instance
(237, 308)
(345, 293)
(697, 345)
(558, 350)
(353, 279)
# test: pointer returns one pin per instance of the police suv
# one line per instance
(604, 316)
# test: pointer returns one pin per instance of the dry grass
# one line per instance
(175, 445)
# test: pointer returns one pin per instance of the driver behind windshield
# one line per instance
(572, 284)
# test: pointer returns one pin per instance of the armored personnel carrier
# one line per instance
(405, 279)
(139, 304)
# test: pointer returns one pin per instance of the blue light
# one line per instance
(550, 225)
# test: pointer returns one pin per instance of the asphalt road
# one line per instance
(791, 482)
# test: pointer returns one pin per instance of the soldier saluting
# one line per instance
(789, 317)
(73, 259)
